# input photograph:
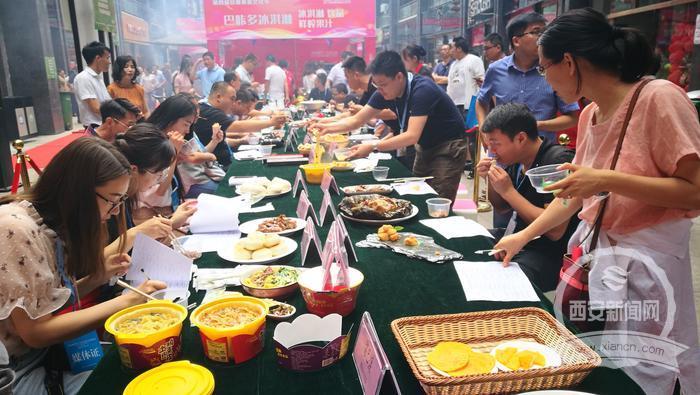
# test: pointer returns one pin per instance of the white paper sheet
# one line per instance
(247, 155)
(491, 281)
(413, 188)
(207, 242)
(379, 156)
(456, 226)
(159, 262)
(364, 165)
(217, 214)
(249, 147)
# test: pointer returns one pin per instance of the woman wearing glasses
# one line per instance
(647, 200)
(52, 242)
(150, 154)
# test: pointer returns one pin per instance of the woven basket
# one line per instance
(485, 330)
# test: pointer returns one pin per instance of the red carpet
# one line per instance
(42, 154)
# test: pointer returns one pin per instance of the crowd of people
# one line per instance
(155, 140)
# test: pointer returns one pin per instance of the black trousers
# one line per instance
(540, 266)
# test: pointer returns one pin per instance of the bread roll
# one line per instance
(263, 253)
(271, 240)
(252, 244)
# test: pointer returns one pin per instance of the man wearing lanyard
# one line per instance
(426, 117)
(511, 133)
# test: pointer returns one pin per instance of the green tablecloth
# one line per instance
(395, 286)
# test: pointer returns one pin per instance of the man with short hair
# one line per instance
(209, 74)
(245, 69)
(442, 70)
(515, 78)
(88, 86)
(493, 48)
(118, 115)
(336, 75)
(511, 133)
(465, 75)
(275, 83)
(427, 117)
(340, 95)
(321, 90)
(232, 78)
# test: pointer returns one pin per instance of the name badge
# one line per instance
(84, 352)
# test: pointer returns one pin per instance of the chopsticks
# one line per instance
(407, 179)
(138, 291)
(174, 241)
(489, 252)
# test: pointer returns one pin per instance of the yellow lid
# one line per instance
(173, 378)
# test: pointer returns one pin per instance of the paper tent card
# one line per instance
(310, 342)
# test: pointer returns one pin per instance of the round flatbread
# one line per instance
(449, 356)
(479, 363)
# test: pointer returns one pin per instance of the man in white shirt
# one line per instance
(275, 83)
(465, 76)
(245, 69)
(88, 86)
(337, 75)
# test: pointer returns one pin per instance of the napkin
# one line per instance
(456, 226)
(247, 155)
(364, 165)
(379, 156)
(413, 188)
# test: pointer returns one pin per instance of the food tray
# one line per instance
(484, 331)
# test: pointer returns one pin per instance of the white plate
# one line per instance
(386, 189)
(414, 212)
(441, 373)
(251, 226)
(227, 253)
(267, 195)
(551, 357)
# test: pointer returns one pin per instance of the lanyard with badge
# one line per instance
(84, 352)
(403, 116)
(510, 228)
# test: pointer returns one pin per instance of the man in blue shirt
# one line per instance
(442, 70)
(515, 79)
(210, 74)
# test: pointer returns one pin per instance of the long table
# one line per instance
(395, 286)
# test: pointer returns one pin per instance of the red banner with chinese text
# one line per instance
(282, 19)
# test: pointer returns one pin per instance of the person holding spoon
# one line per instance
(642, 248)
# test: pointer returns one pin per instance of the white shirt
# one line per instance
(309, 82)
(89, 85)
(461, 84)
(243, 74)
(337, 75)
(277, 78)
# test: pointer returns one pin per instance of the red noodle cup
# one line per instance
(322, 303)
(237, 344)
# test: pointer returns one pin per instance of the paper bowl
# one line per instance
(323, 303)
(313, 105)
(148, 350)
(272, 293)
(314, 171)
(237, 344)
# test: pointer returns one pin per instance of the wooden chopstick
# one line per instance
(138, 291)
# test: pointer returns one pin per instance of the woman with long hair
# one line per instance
(52, 241)
(150, 154)
(182, 82)
(124, 76)
(644, 203)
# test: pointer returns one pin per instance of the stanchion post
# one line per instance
(482, 206)
(21, 169)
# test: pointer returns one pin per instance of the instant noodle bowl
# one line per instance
(148, 334)
(322, 303)
(231, 328)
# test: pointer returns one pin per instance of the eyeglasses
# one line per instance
(162, 175)
(536, 33)
(543, 68)
(126, 125)
(114, 205)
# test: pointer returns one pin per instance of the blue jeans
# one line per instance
(196, 189)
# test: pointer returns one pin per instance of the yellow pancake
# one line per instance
(448, 356)
(479, 363)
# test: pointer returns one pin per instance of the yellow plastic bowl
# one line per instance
(314, 171)
(144, 351)
(239, 343)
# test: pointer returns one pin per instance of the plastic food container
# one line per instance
(543, 176)
(323, 303)
(342, 154)
(173, 378)
(314, 171)
(266, 150)
(148, 350)
(438, 207)
(237, 344)
(380, 173)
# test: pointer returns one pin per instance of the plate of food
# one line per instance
(524, 355)
(271, 281)
(456, 359)
(263, 187)
(376, 209)
(280, 225)
(364, 189)
(304, 149)
(343, 166)
(258, 248)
